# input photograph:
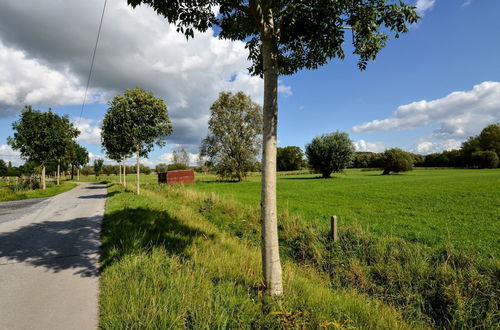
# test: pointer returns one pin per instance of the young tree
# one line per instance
(397, 160)
(77, 156)
(329, 153)
(290, 158)
(98, 165)
(118, 146)
(233, 141)
(144, 122)
(284, 37)
(180, 156)
(42, 137)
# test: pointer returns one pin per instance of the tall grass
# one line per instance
(443, 286)
(165, 265)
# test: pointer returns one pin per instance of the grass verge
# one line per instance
(8, 194)
(165, 265)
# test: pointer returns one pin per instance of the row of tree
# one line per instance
(47, 141)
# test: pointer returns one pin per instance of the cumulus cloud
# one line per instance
(362, 145)
(137, 49)
(459, 114)
(9, 155)
(427, 147)
(90, 131)
(26, 81)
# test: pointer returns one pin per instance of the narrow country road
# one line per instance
(49, 260)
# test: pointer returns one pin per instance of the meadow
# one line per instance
(416, 250)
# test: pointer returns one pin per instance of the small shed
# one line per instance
(176, 177)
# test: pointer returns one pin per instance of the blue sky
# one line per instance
(427, 91)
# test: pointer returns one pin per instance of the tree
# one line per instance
(284, 37)
(180, 157)
(160, 168)
(3, 168)
(489, 138)
(143, 121)
(233, 141)
(77, 156)
(41, 137)
(98, 165)
(118, 146)
(396, 160)
(330, 153)
(485, 159)
(289, 158)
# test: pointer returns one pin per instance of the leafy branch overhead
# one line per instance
(307, 34)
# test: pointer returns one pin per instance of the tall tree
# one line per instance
(284, 36)
(180, 156)
(3, 168)
(42, 137)
(234, 137)
(143, 121)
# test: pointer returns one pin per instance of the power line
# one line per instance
(92, 62)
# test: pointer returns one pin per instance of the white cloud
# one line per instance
(284, 89)
(362, 145)
(424, 5)
(467, 2)
(137, 49)
(427, 147)
(459, 114)
(9, 155)
(90, 131)
(25, 81)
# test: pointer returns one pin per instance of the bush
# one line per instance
(177, 166)
(485, 159)
(330, 153)
(397, 160)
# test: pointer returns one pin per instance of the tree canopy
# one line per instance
(42, 136)
(397, 160)
(330, 153)
(290, 158)
(234, 140)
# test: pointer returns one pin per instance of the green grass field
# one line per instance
(424, 243)
(434, 207)
(8, 194)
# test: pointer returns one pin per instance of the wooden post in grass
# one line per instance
(335, 236)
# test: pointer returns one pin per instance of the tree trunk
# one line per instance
(72, 171)
(138, 192)
(43, 178)
(120, 171)
(78, 174)
(271, 264)
(124, 173)
(58, 171)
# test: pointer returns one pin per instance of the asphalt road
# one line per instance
(49, 254)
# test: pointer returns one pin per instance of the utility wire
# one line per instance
(92, 62)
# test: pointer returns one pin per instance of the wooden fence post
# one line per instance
(334, 228)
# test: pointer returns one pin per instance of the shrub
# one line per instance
(396, 160)
(330, 153)
(177, 166)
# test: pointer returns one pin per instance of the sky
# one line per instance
(426, 92)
